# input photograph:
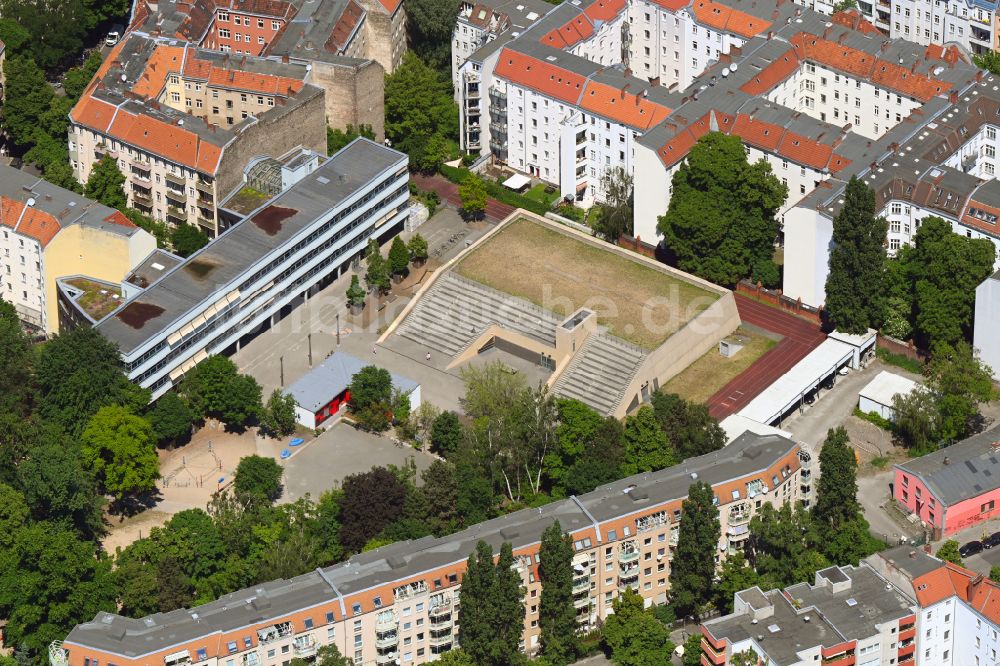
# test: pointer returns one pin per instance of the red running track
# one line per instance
(799, 338)
(448, 191)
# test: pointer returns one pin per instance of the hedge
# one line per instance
(497, 191)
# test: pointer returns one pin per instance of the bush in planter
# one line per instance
(399, 257)
(418, 249)
(377, 270)
(355, 294)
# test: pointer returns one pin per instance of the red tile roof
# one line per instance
(35, 223)
(569, 34)
(540, 76)
(349, 19)
(678, 147)
(727, 19)
(604, 10)
(867, 66)
(171, 141)
(633, 110)
(391, 5)
(772, 75)
(951, 580)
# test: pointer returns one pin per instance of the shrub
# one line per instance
(900, 361)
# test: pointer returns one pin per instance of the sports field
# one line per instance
(561, 273)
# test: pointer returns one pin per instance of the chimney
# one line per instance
(655, 81)
(913, 554)
(953, 97)
(947, 460)
(913, 67)
(284, 58)
(628, 71)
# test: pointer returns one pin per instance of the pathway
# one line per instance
(448, 191)
(799, 337)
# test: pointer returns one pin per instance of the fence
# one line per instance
(907, 349)
(636, 245)
(779, 300)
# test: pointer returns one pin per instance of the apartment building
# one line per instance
(47, 233)
(255, 272)
(399, 603)
(848, 615)
(185, 123)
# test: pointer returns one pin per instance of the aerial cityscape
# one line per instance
(499, 332)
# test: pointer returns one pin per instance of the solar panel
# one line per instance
(972, 468)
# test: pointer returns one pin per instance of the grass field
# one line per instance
(538, 194)
(562, 274)
(700, 380)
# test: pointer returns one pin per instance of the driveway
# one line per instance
(339, 452)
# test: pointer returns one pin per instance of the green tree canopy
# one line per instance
(17, 361)
(338, 138)
(854, 291)
(474, 196)
(58, 488)
(491, 611)
(837, 489)
(418, 248)
(721, 219)
(186, 239)
(647, 448)
(694, 562)
(371, 501)
(634, 636)
(556, 614)
(430, 24)
(216, 388)
(26, 97)
(692, 431)
(278, 417)
(616, 215)
(420, 112)
(118, 447)
(78, 373)
(376, 268)
(50, 581)
(446, 433)
(961, 382)
(948, 551)
(784, 547)
(258, 479)
(371, 397)
(736, 575)
(399, 256)
(171, 418)
(106, 183)
(355, 294)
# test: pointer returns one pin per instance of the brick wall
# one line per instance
(355, 94)
(779, 300)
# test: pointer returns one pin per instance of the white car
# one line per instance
(113, 37)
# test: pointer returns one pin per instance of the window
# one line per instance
(223, 33)
(355, 609)
(202, 656)
(308, 623)
(232, 647)
(260, 23)
(275, 25)
(224, 17)
(237, 20)
(983, 509)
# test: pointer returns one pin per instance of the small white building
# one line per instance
(878, 395)
(322, 392)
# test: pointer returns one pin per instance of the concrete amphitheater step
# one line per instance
(600, 372)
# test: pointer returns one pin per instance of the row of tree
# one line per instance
(926, 292)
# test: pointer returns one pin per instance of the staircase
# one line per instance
(600, 372)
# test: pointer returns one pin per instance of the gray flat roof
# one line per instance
(152, 268)
(227, 259)
(747, 456)
(332, 377)
(960, 471)
(833, 618)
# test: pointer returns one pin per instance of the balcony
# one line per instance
(581, 585)
(498, 98)
(204, 186)
(387, 640)
(176, 213)
(440, 607)
(387, 658)
(142, 196)
(304, 648)
(472, 91)
(58, 656)
(177, 181)
(581, 602)
(739, 515)
(141, 174)
(386, 621)
(274, 632)
(442, 624)
(439, 641)
(843, 659)
(498, 129)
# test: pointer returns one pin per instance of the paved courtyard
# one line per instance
(339, 452)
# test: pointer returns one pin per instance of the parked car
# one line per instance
(971, 548)
(114, 35)
(992, 540)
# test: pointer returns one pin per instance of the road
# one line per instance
(799, 337)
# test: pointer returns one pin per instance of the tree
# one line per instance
(14, 37)
(840, 6)
(948, 551)
(577, 425)
(13, 514)
(258, 480)
(430, 23)
(186, 239)
(329, 655)
(995, 574)
(376, 268)
(26, 97)
(446, 433)
(215, 388)
(647, 448)
(171, 419)
(418, 249)
(50, 581)
(420, 110)
(338, 138)
(57, 28)
(694, 562)
(507, 601)
(174, 588)
(474, 196)
(371, 397)
(836, 492)
(692, 650)
(78, 373)
(960, 382)
(58, 488)
(76, 79)
(475, 619)
(355, 294)
(399, 256)
(943, 270)
(721, 218)
(371, 501)
(106, 183)
(603, 457)
(692, 431)
(278, 416)
(118, 447)
(736, 575)
(439, 494)
(17, 361)
(784, 546)
(854, 293)
(916, 420)
(615, 220)
(556, 614)
(455, 657)
(634, 636)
